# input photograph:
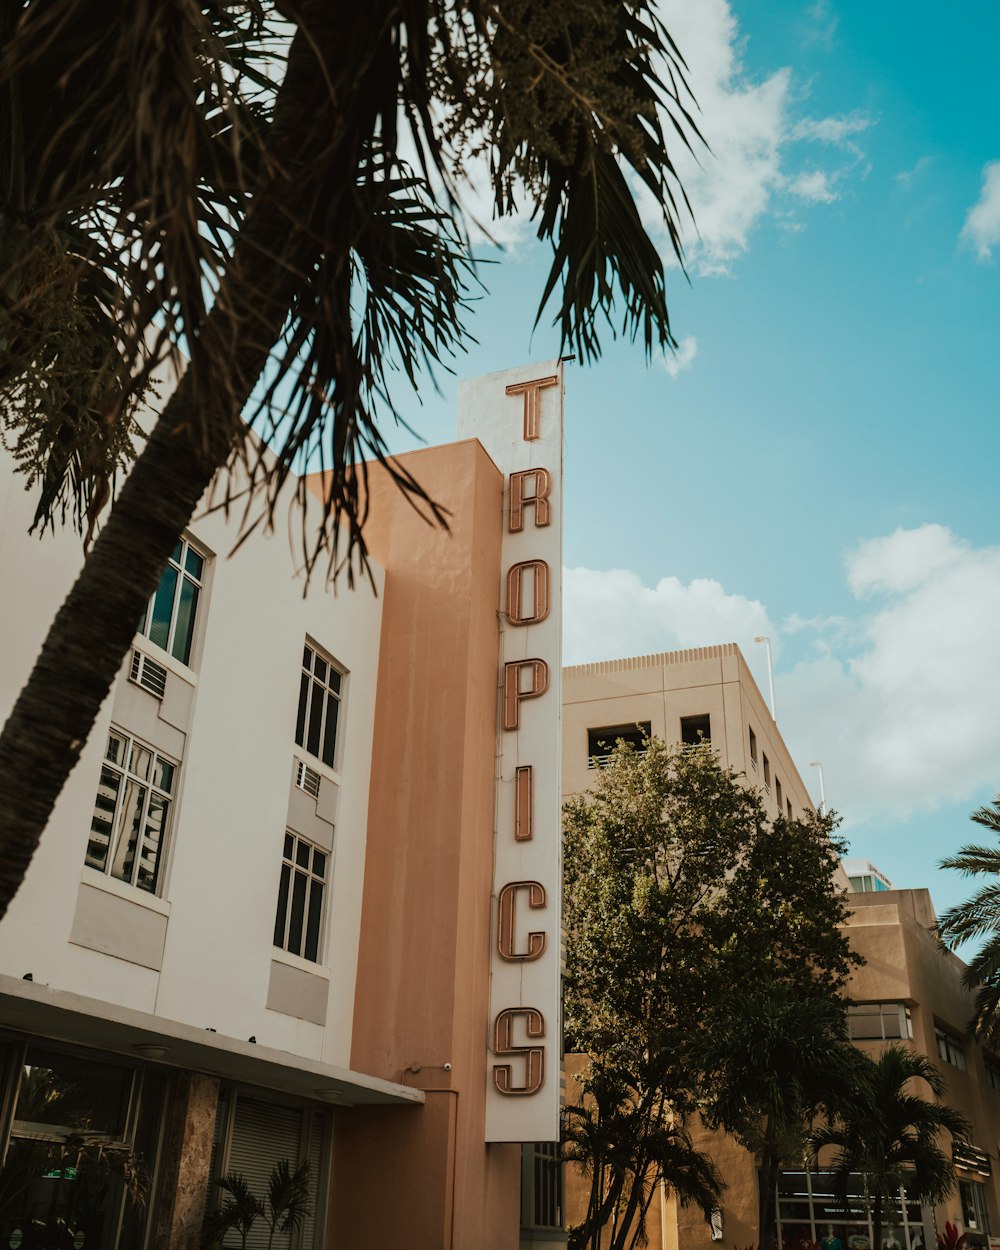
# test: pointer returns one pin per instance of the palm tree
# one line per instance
(625, 1135)
(976, 919)
(332, 268)
(891, 1136)
(776, 1059)
(283, 1210)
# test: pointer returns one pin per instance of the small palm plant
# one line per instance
(284, 1209)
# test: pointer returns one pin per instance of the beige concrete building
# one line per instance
(706, 693)
(908, 989)
(280, 912)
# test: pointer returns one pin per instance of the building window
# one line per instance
(811, 1211)
(767, 773)
(319, 706)
(777, 794)
(252, 1136)
(950, 1049)
(83, 1148)
(131, 812)
(168, 620)
(974, 1214)
(602, 742)
(788, 805)
(298, 925)
(541, 1186)
(696, 730)
(993, 1073)
(753, 750)
(871, 1022)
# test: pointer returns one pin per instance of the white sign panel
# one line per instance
(517, 415)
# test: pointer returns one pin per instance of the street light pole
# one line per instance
(770, 668)
(822, 788)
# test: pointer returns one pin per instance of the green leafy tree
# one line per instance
(978, 920)
(332, 267)
(679, 892)
(892, 1136)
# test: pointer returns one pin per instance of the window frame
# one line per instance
(291, 868)
(631, 733)
(116, 834)
(894, 1008)
(752, 739)
(332, 695)
(950, 1048)
(701, 738)
(178, 564)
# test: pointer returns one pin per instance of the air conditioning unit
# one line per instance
(307, 779)
(148, 674)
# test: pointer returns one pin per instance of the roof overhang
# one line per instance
(60, 1015)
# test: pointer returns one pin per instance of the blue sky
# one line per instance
(819, 460)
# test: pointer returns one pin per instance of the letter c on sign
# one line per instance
(503, 1044)
(506, 935)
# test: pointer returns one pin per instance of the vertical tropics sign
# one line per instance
(517, 415)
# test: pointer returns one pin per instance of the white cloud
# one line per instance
(753, 135)
(683, 358)
(900, 701)
(982, 225)
(610, 614)
(908, 718)
(907, 177)
(814, 187)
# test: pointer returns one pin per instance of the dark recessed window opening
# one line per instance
(695, 730)
(602, 742)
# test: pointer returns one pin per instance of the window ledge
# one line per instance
(296, 961)
(165, 659)
(131, 893)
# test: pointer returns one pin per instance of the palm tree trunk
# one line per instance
(877, 1223)
(767, 1232)
(92, 631)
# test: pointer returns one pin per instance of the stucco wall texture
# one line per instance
(424, 1178)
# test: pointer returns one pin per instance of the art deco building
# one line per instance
(279, 913)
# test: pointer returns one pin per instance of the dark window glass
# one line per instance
(184, 629)
(299, 919)
(163, 606)
(319, 707)
(315, 720)
(282, 916)
(602, 742)
(315, 916)
(62, 1094)
(298, 913)
(695, 730)
(168, 619)
(130, 815)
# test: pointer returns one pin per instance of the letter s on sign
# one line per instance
(503, 1044)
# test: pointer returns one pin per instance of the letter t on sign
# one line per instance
(532, 404)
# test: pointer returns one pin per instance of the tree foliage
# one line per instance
(280, 202)
(978, 920)
(680, 893)
(891, 1135)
